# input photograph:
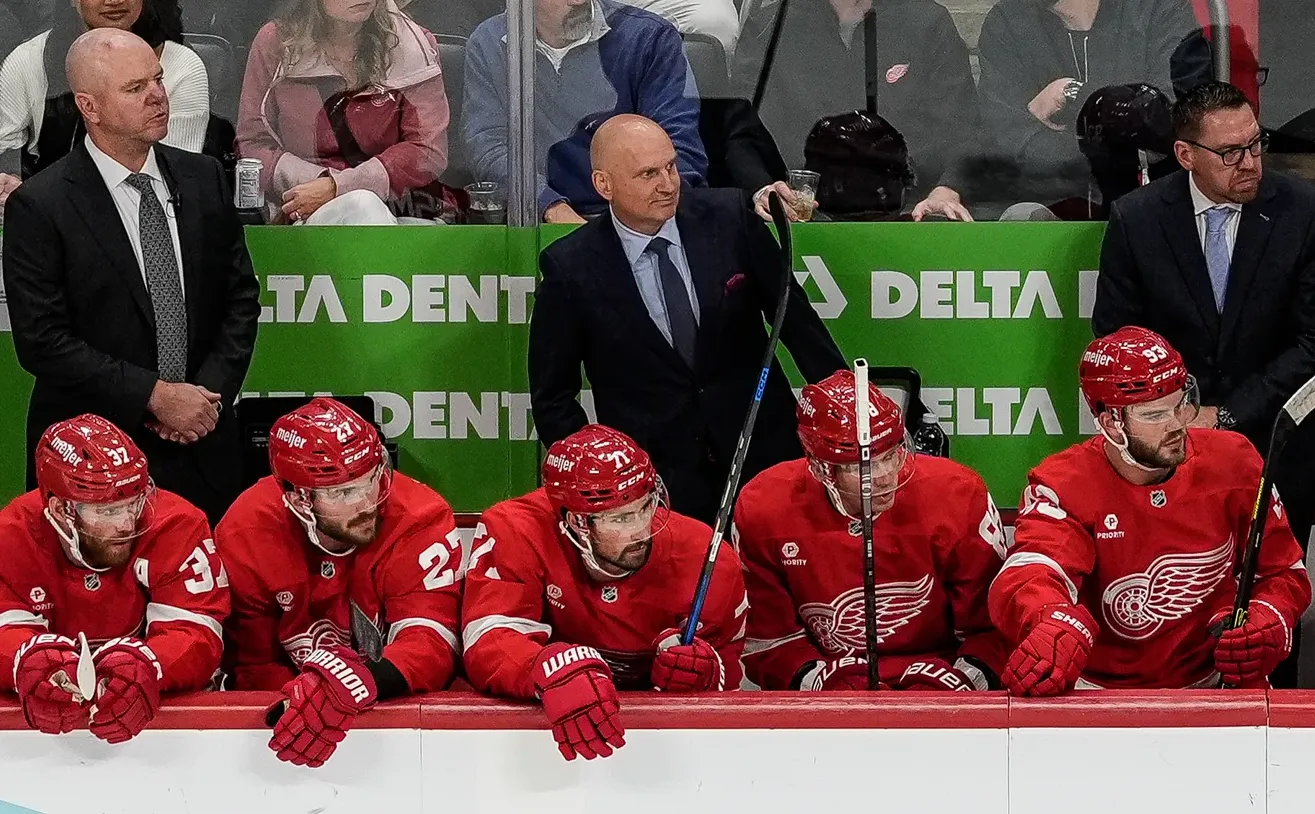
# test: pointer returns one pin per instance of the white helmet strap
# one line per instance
(586, 548)
(306, 516)
(70, 540)
(1122, 447)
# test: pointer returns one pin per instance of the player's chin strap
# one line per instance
(1124, 453)
(822, 472)
(71, 541)
(307, 520)
(587, 554)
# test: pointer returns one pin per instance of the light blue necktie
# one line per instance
(1217, 256)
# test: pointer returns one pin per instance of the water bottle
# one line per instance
(930, 439)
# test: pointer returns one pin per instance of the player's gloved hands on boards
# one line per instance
(575, 685)
(323, 701)
(1050, 659)
(847, 674)
(934, 674)
(1247, 655)
(127, 689)
(45, 677)
(695, 667)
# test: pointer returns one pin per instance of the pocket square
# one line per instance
(734, 282)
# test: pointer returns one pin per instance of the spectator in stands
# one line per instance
(1041, 60)
(926, 83)
(344, 104)
(39, 121)
(594, 59)
(716, 18)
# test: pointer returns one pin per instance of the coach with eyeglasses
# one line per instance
(1220, 260)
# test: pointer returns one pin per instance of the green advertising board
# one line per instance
(433, 323)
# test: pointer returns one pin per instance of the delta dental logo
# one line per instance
(419, 298)
(946, 294)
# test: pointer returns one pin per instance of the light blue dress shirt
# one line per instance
(645, 268)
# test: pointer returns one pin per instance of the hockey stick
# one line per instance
(722, 520)
(863, 422)
(367, 634)
(1294, 411)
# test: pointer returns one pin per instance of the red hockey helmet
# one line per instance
(89, 460)
(321, 444)
(827, 428)
(1130, 366)
(597, 469)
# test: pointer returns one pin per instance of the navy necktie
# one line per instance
(680, 312)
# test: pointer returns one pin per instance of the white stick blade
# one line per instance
(1302, 402)
(86, 671)
(862, 407)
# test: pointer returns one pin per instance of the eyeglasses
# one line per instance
(111, 512)
(349, 494)
(629, 519)
(1184, 412)
(1233, 155)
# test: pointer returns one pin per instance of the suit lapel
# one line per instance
(92, 200)
(190, 238)
(620, 289)
(1185, 241)
(1252, 238)
(700, 256)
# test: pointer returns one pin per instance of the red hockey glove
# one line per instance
(1246, 656)
(1050, 659)
(323, 701)
(695, 667)
(847, 674)
(934, 674)
(580, 700)
(127, 689)
(45, 671)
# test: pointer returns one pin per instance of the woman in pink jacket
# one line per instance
(343, 103)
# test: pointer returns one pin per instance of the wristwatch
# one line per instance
(1224, 420)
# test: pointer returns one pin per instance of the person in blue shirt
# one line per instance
(594, 59)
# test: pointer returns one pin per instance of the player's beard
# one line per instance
(107, 552)
(1171, 451)
(631, 558)
(360, 529)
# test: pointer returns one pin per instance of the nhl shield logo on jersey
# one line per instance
(1159, 498)
(838, 628)
(91, 582)
(1137, 606)
(327, 570)
(609, 593)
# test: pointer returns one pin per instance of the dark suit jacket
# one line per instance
(588, 311)
(1262, 348)
(83, 321)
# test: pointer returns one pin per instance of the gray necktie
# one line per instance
(163, 283)
(680, 312)
(1217, 257)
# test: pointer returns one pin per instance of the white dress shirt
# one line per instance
(647, 276)
(128, 201)
(1201, 204)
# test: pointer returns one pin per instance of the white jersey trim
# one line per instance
(416, 621)
(156, 612)
(752, 646)
(1023, 558)
(24, 618)
(475, 631)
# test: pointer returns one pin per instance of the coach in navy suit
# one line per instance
(663, 302)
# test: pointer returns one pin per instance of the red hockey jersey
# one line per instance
(290, 597)
(527, 587)
(936, 550)
(173, 593)
(1153, 564)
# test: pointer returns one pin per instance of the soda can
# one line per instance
(248, 194)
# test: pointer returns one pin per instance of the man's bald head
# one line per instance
(118, 85)
(93, 57)
(635, 171)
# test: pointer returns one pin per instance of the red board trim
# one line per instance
(904, 710)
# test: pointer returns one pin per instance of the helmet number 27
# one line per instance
(435, 560)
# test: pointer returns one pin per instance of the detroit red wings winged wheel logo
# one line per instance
(838, 628)
(1136, 606)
